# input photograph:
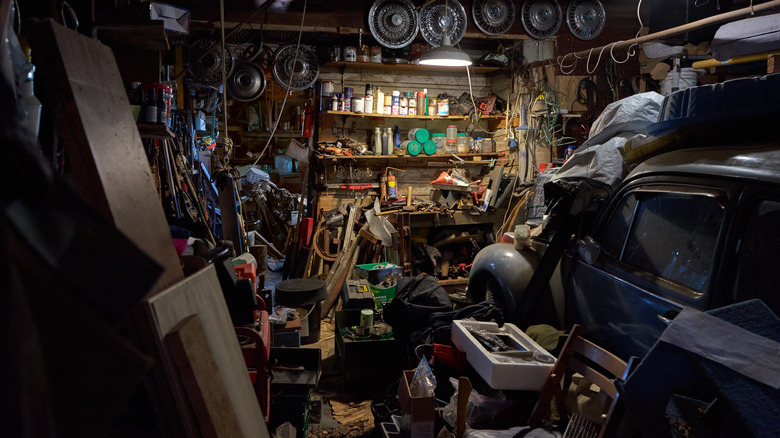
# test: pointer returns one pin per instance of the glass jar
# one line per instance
(440, 139)
(462, 143)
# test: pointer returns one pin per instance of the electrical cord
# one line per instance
(286, 93)
(587, 94)
(631, 51)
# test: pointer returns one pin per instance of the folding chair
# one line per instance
(598, 366)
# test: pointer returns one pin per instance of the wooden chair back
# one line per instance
(596, 364)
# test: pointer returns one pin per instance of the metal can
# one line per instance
(369, 90)
(376, 54)
(366, 318)
(357, 105)
(443, 107)
(335, 53)
(327, 88)
(350, 54)
(392, 190)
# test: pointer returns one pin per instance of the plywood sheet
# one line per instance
(81, 84)
(200, 377)
(200, 294)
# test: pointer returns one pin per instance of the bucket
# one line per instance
(310, 322)
(688, 78)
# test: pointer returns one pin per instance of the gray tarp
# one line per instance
(598, 163)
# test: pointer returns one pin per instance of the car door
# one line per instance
(753, 272)
(658, 244)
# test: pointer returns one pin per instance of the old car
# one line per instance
(697, 224)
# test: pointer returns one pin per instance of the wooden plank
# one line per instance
(81, 85)
(200, 294)
(773, 64)
(200, 377)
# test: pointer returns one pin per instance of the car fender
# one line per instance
(509, 270)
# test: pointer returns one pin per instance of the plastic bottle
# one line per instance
(390, 142)
(377, 141)
(397, 150)
(369, 104)
(379, 98)
(386, 135)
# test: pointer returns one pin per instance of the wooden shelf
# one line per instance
(278, 134)
(140, 36)
(388, 116)
(155, 131)
(409, 67)
(455, 187)
(488, 155)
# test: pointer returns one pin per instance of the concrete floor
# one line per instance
(335, 411)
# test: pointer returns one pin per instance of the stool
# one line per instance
(305, 294)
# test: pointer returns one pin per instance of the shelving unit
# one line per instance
(417, 68)
(488, 155)
(388, 116)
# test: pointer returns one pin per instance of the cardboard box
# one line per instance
(367, 363)
(418, 413)
(375, 277)
(175, 18)
(500, 371)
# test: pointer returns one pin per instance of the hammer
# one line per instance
(408, 206)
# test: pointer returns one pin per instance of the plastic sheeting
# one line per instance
(599, 162)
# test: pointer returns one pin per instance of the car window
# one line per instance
(612, 241)
(671, 235)
(758, 272)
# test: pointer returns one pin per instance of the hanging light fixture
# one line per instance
(446, 55)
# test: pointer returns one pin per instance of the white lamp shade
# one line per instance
(445, 55)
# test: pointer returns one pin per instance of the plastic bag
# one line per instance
(423, 382)
(480, 410)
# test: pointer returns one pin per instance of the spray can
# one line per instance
(392, 190)
(397, 150)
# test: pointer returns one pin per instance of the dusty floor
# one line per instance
(335, 411)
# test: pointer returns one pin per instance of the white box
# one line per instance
(503, 371)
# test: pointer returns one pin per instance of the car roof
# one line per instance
(752, 162)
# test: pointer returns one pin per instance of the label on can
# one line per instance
(444, 107)
(357, 104)
(392, 191)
